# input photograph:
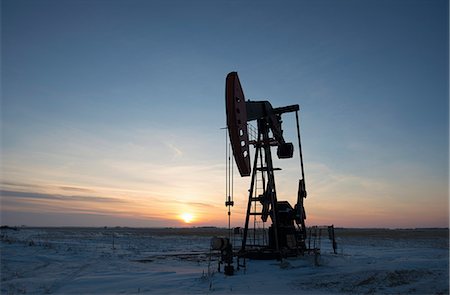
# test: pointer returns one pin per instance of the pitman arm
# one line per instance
(263, 109)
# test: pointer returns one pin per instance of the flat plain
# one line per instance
(179, 261)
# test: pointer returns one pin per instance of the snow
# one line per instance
(169, 261)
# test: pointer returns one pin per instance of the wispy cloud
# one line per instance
(34, 195)
(176, 151)
(202, 205)
(48, 203)
(77, 189)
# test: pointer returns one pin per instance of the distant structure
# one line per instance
(287, 231)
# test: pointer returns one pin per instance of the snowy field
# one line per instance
(177, 261)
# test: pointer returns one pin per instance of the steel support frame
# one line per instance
(263, 144)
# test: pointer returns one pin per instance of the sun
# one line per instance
(187, 217)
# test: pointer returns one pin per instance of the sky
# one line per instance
(112, 111)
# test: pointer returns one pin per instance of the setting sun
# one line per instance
(187, 217)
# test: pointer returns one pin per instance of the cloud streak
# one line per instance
(34, 195)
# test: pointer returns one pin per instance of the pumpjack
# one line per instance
(287, 231)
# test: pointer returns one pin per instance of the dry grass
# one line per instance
(394, 233)
(217, 231)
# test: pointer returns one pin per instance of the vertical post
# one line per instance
(332, 238)
(113, 247)
(262, 125)
(250, 194)
(302, 185)
(300, 146)
(229, 193)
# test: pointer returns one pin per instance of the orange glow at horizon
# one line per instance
(187, 217)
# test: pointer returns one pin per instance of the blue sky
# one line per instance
(125, 100)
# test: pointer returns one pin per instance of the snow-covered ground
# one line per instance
(122, 260)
